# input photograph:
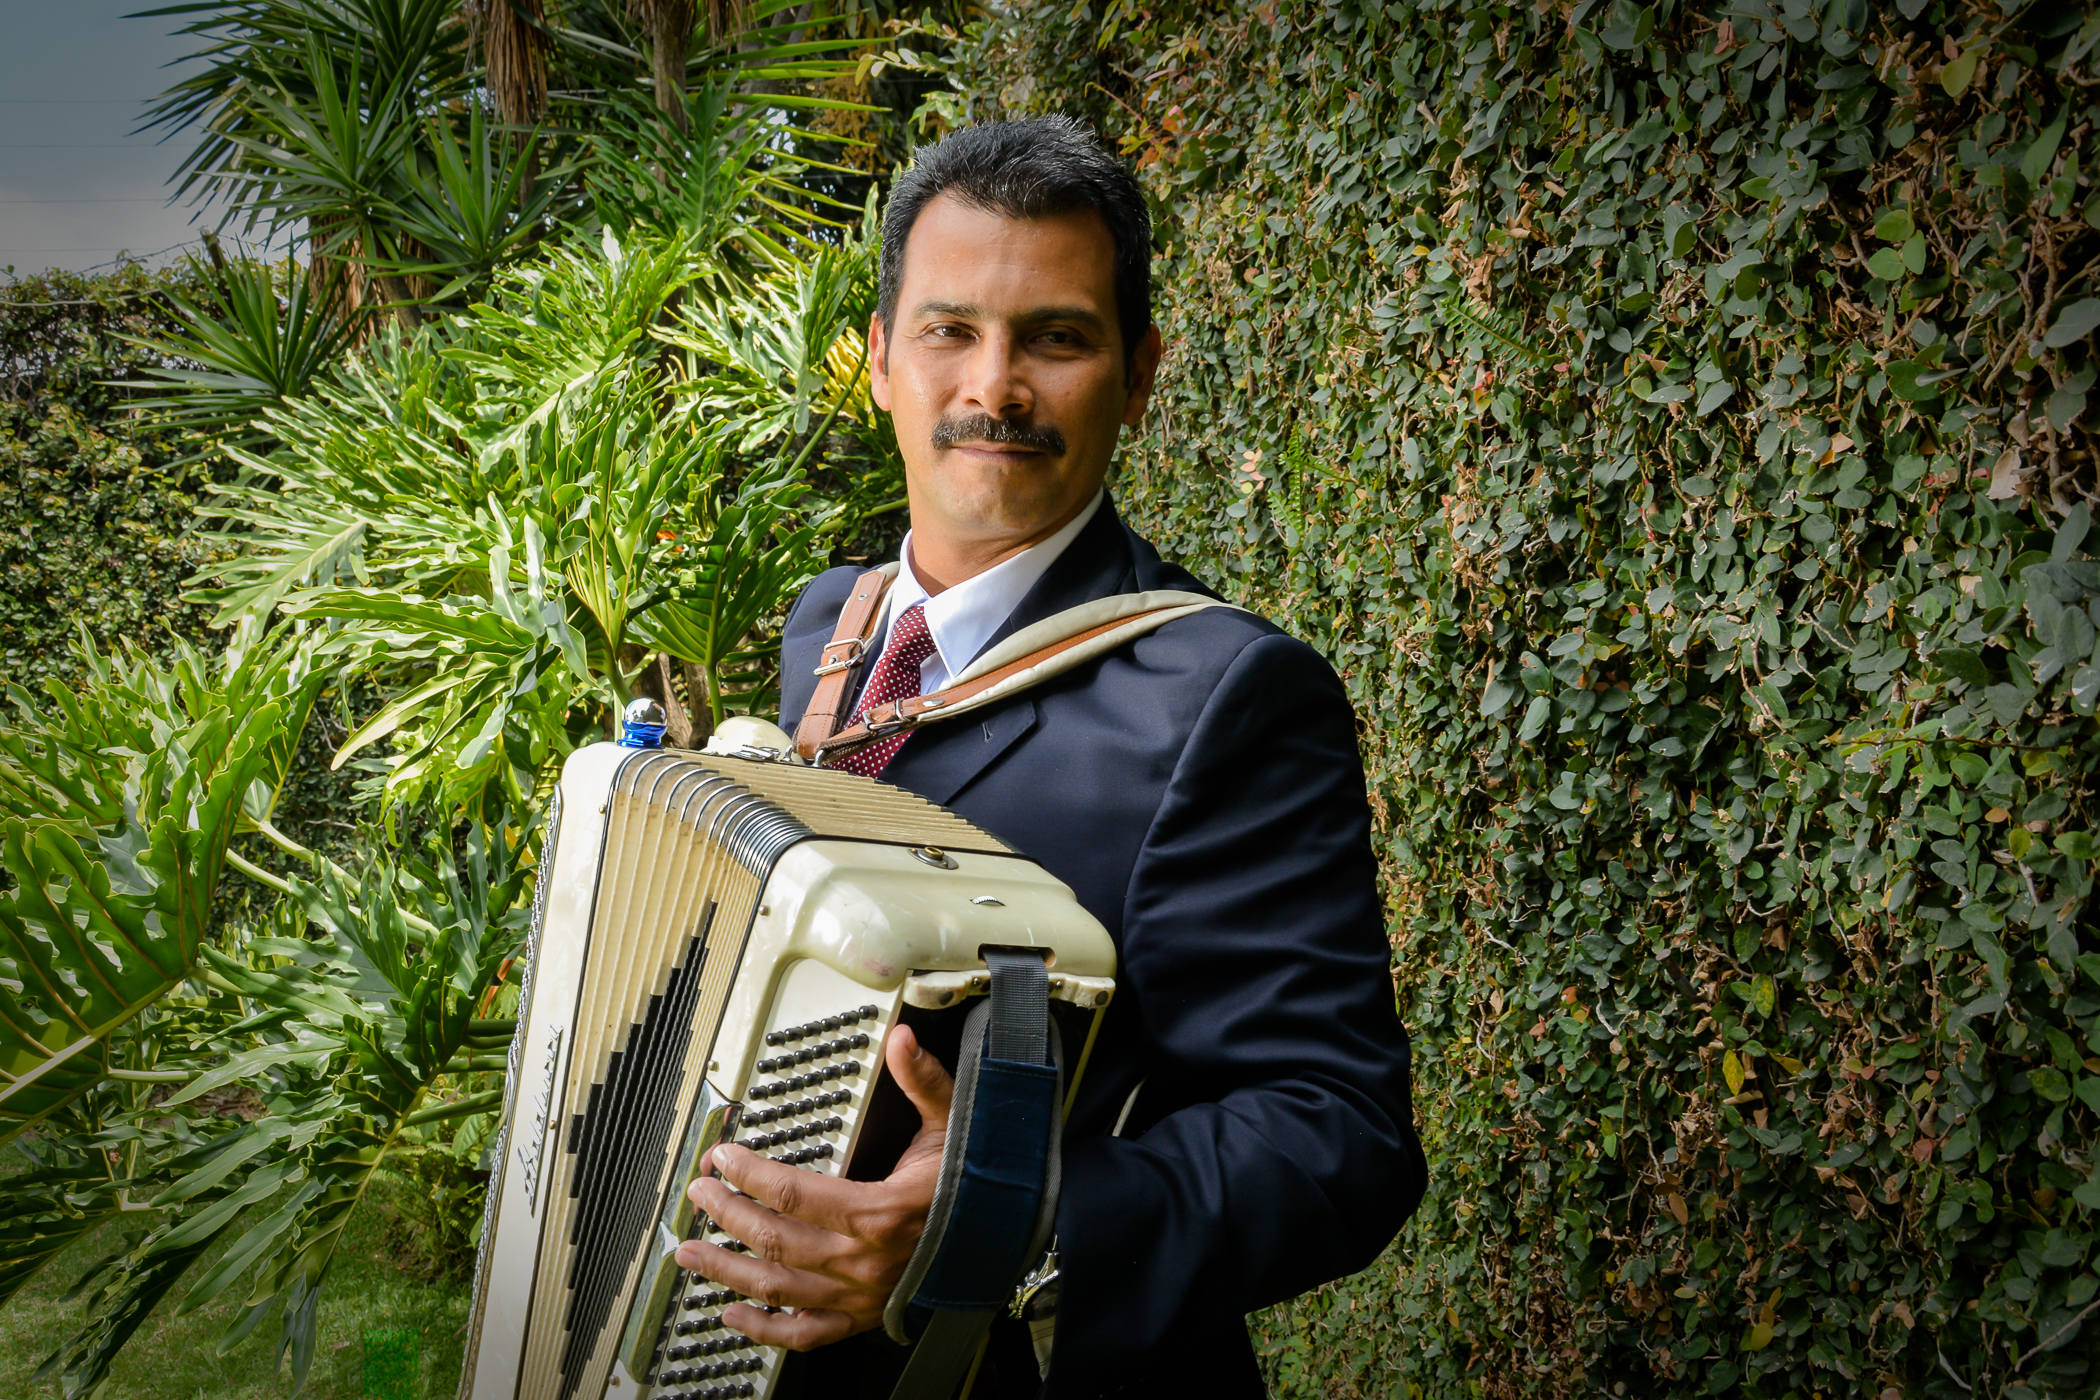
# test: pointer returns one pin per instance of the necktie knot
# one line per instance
(896, 677)
(911, 643)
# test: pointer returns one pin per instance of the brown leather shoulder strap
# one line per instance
(914, 710)
(840, 663)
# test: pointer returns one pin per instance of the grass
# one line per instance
(176, 1358)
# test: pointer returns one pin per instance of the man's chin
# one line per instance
(1003, 513)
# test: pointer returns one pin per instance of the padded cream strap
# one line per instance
(1029, 657)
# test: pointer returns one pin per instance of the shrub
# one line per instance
(1670, 421)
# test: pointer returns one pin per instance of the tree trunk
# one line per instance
(683, 728)
(669, 24)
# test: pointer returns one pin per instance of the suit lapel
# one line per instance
(940, 760)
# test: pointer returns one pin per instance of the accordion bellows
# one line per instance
(719, 947)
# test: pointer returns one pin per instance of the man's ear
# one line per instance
(1143, 369)
(878, 364)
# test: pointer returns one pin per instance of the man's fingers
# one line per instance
(823, 1201)
(768, 1233)
(797, 1331)
(922, 1077)
(760, 1280)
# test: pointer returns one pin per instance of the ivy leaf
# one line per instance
(1906, 377)
(1628, 28)
(1535, 716)
(1886, 263)
(2085, 688)
(1894, 226)
(1956, 75)
(2069, 535)
(1964, 663)
(1764, 994)
(2078, 845)
(2062, 944)
(1914, 254)
(2050, 1083)
(2075, 324)
(1717, 393)
(1680, 231)
(2042, 154)
(2064, 406)
(2007, 702)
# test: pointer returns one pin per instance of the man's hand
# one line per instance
(832, 1249)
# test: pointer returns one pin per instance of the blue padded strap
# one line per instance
(998, 1180)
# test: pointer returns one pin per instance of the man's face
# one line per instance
(1005, 370)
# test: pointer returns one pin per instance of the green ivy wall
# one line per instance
(95, 507)
(1673, 423)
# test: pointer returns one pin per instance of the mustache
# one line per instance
(1000, 432)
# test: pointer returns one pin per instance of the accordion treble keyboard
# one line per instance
(719, 948)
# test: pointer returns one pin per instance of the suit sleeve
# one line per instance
(1278, 1149)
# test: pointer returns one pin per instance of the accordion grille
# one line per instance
(688, 845)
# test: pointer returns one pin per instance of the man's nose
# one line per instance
(992, 380)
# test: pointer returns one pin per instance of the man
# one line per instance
(1244, 1130)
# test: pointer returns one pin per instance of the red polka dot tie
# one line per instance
(896, 678)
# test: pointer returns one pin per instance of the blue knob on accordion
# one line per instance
(642, 725)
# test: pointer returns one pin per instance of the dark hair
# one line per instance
(1028, 170)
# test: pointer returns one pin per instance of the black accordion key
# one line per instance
(624, 1135)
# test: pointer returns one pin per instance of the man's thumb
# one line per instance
(924, 1081)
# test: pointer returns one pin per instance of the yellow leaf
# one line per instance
(1955, 76)
(1789, 1064)
(1764, 994)
(1760, 1337)
(1732, 1071)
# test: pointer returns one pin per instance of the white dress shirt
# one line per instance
(962, 619)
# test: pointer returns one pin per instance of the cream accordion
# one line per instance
(719, 946)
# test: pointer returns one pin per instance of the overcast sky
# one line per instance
(76, 186)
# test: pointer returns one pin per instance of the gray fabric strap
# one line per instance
(943, 1354)
(1020, 1006)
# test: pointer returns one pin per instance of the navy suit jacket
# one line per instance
(1201, 791)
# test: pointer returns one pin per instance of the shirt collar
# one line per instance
(962, 619)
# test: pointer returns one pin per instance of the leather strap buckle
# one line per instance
(858, 648)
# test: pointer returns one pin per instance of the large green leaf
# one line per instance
(376, 1004)
(119, 804)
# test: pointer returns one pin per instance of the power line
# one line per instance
(140, 199)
